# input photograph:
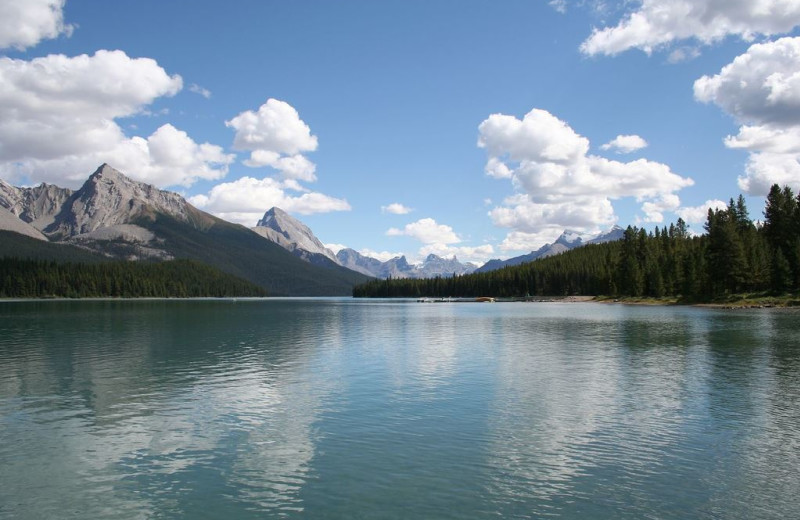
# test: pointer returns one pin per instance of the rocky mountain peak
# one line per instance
(277, 219)
(110, 198)
(291, 234)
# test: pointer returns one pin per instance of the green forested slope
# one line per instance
(236, 250)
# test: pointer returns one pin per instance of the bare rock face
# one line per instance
(10, 222)
(37, 206)
(292, 235)
(123, 241)
(109, 198)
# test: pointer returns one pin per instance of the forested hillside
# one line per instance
(735, 255)
(174, 279)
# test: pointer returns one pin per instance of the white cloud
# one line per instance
(655, 24)
(197, 89)
(654, 210)
(275, 136)
(698, 214)
(558, 183)
(246, 199)
(427, 231)
(760, 86)
(57, 122)
(539, 137)
(559, 5)
(625, 144)
(580, 213)
(682, 54)
(25, 23)
(383, 256)
(522, 241)
(335, 247)
(295, 167)
(761, 89)
(438, 240)
(395, 208)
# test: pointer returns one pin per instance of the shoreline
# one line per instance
(765, 302)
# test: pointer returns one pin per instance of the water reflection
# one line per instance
(342, 409)
(162, 402)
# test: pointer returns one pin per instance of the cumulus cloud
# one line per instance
(57, 122)
(760, 86)
(275, 136)
(658, 23)
(625, 144)
(438, 239)
(698, 214)
(559, 184)
(25, 23)
(395, 208)
(245, 200)
(761, 90)
(427, 231)
(654, 210)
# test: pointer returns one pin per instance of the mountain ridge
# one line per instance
(567, 241)
(294, 236)
(118, 217)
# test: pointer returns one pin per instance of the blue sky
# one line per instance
(476, 128)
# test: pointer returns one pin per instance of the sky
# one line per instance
(481, 129)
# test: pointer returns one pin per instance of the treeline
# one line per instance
(734, 256)
(25, 278)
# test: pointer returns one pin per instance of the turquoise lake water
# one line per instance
(339, 408)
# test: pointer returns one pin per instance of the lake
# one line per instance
(340, 408)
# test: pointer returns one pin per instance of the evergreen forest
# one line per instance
(26, 278)
(735, 255)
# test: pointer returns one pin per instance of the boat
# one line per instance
(484, 299)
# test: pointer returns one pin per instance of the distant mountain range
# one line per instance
(291, 234)
(114, 216)
(398, 267)
(568, 240)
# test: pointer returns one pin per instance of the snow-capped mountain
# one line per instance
(294, 236)
(567, 240)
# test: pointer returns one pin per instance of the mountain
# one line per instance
(566, 241)
(294, 236)
(612, 235)
(398, 267)
(121, 218)
(36, 206)
(355, 261)
(435, 265)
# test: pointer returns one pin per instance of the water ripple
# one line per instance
(347, 409)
